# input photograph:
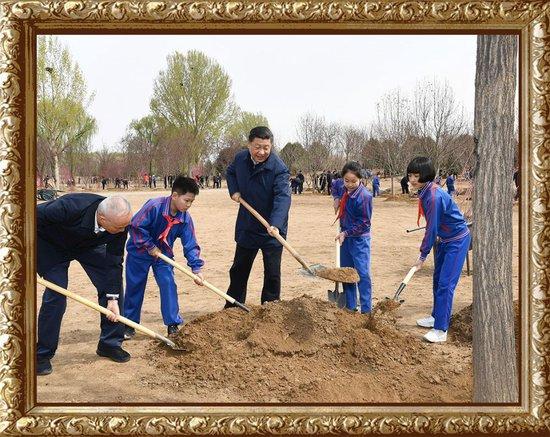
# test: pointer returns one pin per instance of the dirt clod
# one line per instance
(342, 274)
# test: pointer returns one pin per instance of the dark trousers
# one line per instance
(240, 271)
(53, 265)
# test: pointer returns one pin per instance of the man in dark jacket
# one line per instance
(92, 230)
(261, 178)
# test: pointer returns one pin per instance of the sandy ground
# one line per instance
(81, 376)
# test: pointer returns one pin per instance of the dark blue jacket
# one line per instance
(265, 187)
(68, 224)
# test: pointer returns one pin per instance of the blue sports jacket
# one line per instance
(150, 222)
(265, 187)
(443, 218)
(356, 212)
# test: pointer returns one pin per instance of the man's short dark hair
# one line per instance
(422, 166)
(182, 185)
(261, 132)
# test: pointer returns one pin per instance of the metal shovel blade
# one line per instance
(314, 268)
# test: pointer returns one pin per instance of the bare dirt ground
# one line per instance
(299, 350)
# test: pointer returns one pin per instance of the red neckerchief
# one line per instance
(420, 212)
(171, 222)
(342, 207)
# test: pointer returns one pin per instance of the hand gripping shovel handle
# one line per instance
(105, 311)
(281, 240)
(206, 284)
(403, 284)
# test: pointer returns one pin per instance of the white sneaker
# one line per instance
(436, 336)
(426, 322)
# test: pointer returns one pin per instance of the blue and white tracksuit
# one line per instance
(450, 181)
(443, 220)
(376, 186)
(151, 228)
(355, 222)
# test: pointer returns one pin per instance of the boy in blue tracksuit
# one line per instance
(355, 221)
(443, 220)
(153, 230)
(376, 185)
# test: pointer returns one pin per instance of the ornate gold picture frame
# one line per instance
(22, 20)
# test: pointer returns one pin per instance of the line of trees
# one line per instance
(193, 120)
(195, 123)
(429, 122)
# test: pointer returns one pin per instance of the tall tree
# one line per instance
(63, 123)
(392, 128)
(194, 93)
(292, 155)
(494, 354)
(438, 118)
(241, 124)
(142, 141)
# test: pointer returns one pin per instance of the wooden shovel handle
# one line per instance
(280, 239)
(206, 283)
(102, 310)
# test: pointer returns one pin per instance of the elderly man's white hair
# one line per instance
(114, 206)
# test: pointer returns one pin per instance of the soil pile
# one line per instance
(460, 329)
(305, 350)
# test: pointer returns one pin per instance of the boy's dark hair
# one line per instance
(422, 166)
(353, 167)
(261, 132)
(182, 184)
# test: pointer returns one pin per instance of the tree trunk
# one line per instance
(392, 193)
(56, 182)
(494, 355)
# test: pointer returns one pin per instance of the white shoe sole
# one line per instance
(424, 325)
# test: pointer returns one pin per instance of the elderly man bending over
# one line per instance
(92, 230)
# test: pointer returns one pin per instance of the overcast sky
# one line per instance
(340, 77)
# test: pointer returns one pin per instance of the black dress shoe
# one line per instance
(43, 366)
(114, 353)
(172, 330)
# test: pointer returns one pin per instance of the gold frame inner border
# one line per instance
(21, 21)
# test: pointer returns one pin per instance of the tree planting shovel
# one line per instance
(403, 284)
(206, 284)
(105, 311)
(346, 274)
(335, 296)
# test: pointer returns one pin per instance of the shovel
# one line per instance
(335, 296)
(206, 284)
(403, 284)
(337, 275)
(105, 311)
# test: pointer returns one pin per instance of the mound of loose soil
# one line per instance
(342, 274)
(307, 350)
(460, 329)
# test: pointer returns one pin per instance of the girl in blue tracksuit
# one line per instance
(153, 230)
(355, 219)
(443, 220)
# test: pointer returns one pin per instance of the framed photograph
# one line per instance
(161, 395)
